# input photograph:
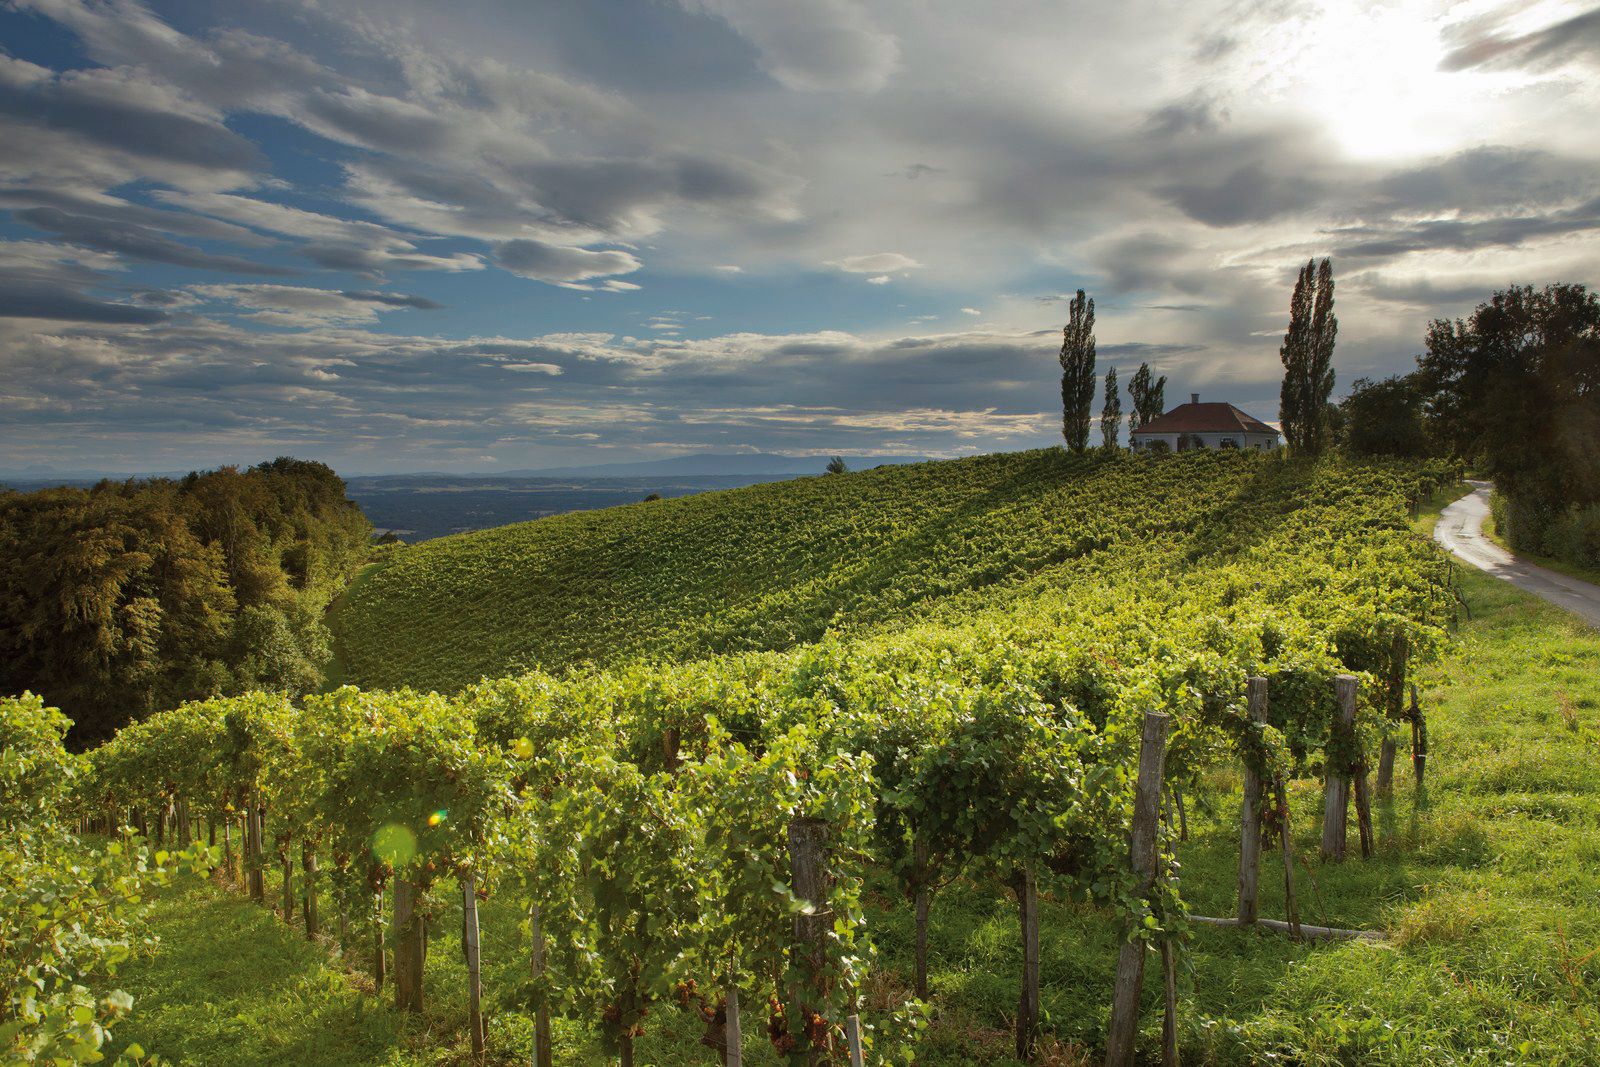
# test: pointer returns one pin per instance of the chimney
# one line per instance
(1194, 398)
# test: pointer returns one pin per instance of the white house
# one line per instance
(1196, 425)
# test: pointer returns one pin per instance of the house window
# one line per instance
(1227, 442)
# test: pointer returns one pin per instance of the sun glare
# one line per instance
(1374, 77)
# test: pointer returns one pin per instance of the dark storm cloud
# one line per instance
(136, 242)
(1575, 39)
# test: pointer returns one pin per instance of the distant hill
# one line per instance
(735, 463)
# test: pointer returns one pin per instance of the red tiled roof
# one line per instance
(1205, 418)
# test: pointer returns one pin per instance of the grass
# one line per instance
(1487, 883)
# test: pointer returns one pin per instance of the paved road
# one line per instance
(1460, 529)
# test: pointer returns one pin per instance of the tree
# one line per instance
(1149, 398)
(1111, 414)
(1077, 372)
(1515, 389)
(130, 596)
(1383, 418)
(836, 465)
(1307, 356)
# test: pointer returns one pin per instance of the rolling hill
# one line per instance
(773, 565)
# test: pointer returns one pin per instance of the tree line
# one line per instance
(127, 597)
(1513, 390)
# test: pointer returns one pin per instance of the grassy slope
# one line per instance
(772, 565)
(1490, 885)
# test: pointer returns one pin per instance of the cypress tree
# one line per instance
(1307, 357)
(1111, 414)
(1077, 372)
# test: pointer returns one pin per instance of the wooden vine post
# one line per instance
(1027, 890)
(256, 817)
(470, 949)
(1336, 782)
(1124, 1029)
(921, 860)
(308, 889)
(408, 946)
(1250, 814)
(542, 1052)
(808, 848)
(733, 1030)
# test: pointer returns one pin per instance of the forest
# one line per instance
(125, 598)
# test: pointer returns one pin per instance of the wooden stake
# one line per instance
(1124, 1028)
(852, 1039)
(1250, 815)
(733, 1032)
(808, 845)
(1336, 783)
(469, 947)
(308, 890)
(1169, 1019)
(1027, 890)
(408, 948)
(1183, 814)
(542, 1052)
(920, 859)
(256, 858)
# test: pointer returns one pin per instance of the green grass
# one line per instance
(1488, 885)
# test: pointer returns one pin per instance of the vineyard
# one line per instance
(767, 725)
(771, 566)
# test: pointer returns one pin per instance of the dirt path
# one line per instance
(1460, 529)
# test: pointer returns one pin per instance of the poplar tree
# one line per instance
(1111, 414)
(1307, 356)
(1149, 397)
(1077, 372)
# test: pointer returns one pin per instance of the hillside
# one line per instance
(778, 564)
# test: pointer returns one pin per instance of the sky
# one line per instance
(398, 235)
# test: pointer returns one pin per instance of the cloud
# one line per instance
(876, 262)
(301, 306)
(552, 263)
(31, 301)
(811, 44)
(136, 242)
(1571, 40)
